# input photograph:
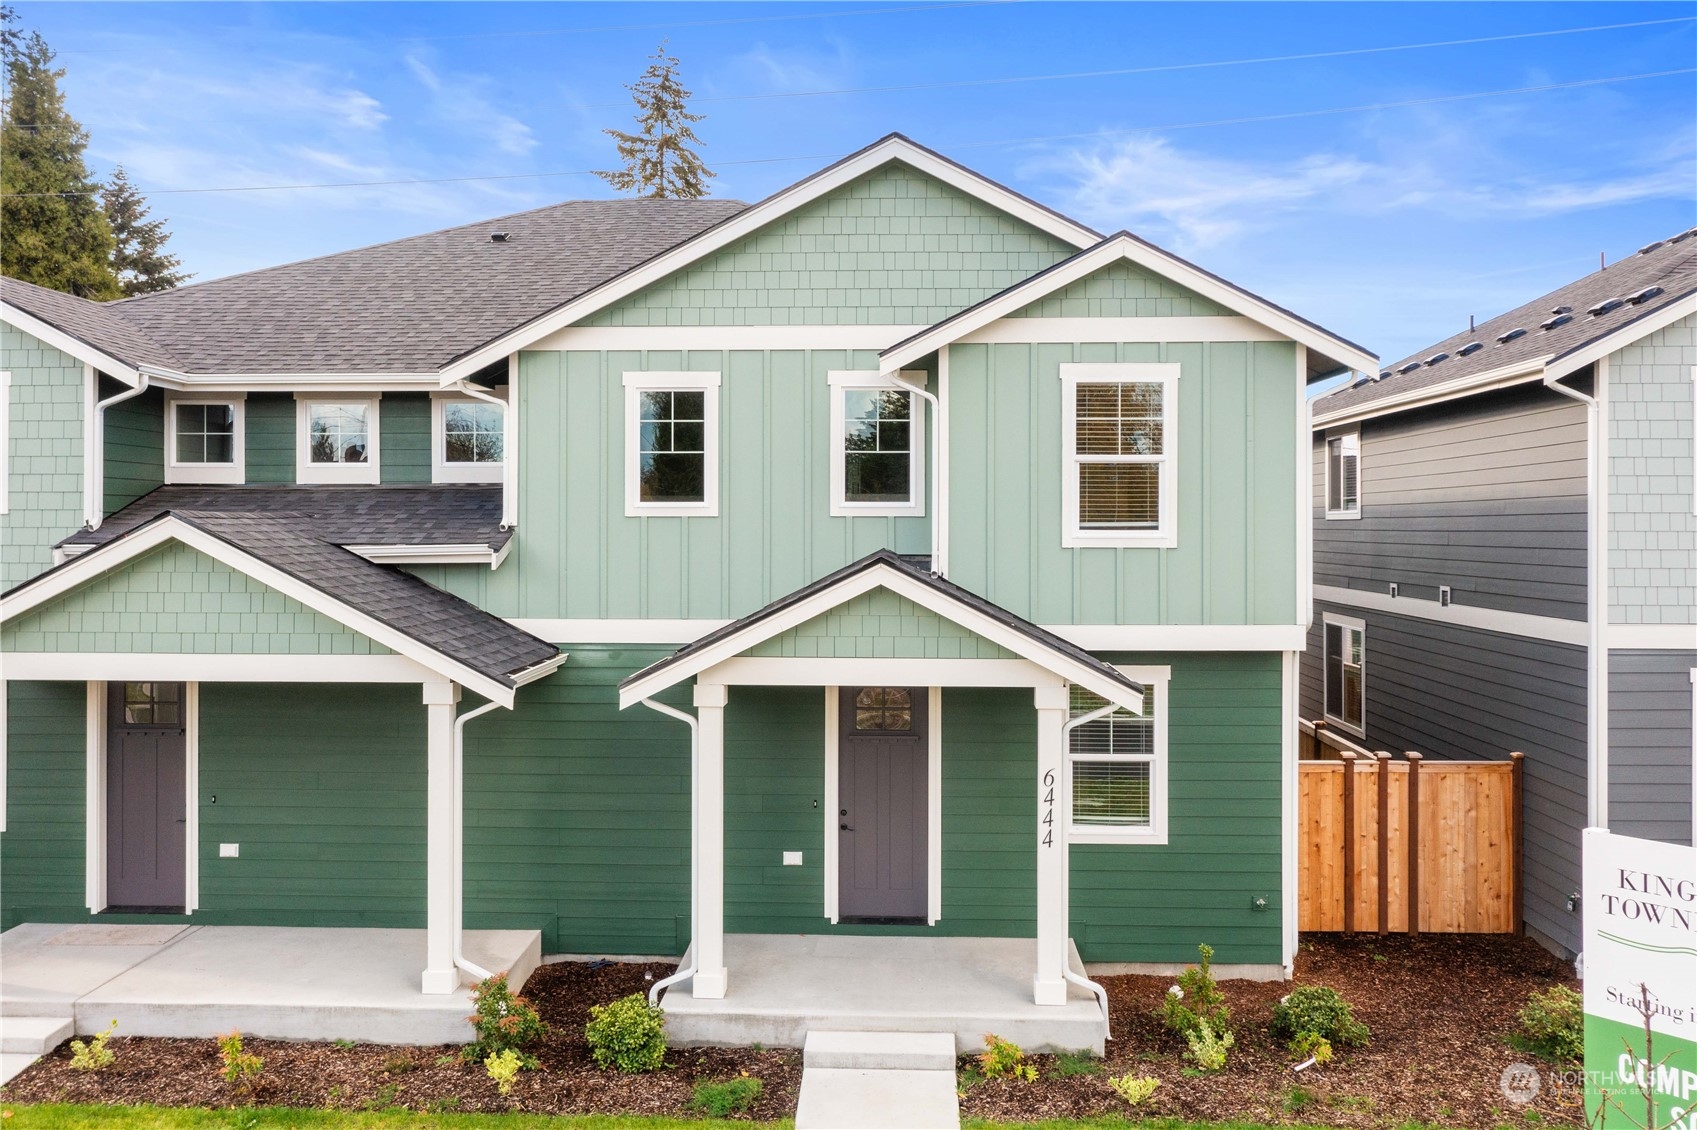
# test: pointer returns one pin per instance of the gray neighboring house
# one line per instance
(1474, 504)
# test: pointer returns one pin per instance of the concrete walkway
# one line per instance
(873, 1080)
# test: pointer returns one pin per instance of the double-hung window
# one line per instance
(336, 440)
(205, 439)
(469, 440)
(1343, 475)
(1117, 766)
(671, 444)
(877, 445)
(1119, 485)
(1346, 673)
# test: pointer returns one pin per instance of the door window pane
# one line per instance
(877, 446)
(206, 433)
(152, 704)
(883, 708)
(673, 445)
(338, 433)
(471, 433)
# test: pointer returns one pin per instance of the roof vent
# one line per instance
(1644, 295)
(1410, 367)
(1503, 339)
(1562, 310)
(500, 236)
(1558, 320)
(1469, 349)
(1436, 357)
(1649, 247)
(1362, 382)
(1383, 373)
(1602, 308)
(1681, 236)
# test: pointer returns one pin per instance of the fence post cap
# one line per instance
(1345, 755)
(1382, 755)
(1412, 756)
(1516, 755)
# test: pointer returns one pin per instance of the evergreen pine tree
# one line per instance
(138, 256)
(52, 230)
(659, 160)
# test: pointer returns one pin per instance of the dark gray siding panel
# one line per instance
(1486, 496)
(1464, 694)
(1650, 782)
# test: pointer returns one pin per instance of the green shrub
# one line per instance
(1003, 1059)
(1134, 1090)
(733, 1096)
(1196, 999)
(629, 1034)
(503, 1022)
(240, 1067)
(504, 1067)
(1207, 1048)
(1312, 1044)
(1068, 1064)
(1553, 1023)
(1319, 1011)
(94, 1055)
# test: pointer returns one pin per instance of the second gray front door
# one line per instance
(146, 797)
(881, 791)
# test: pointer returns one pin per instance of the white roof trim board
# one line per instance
(66, 343)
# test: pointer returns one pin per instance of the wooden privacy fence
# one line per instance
(1409, 846)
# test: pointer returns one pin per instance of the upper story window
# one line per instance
(671, 444)
(469, 440)
(1117, 766)
(1343, 475)
(205, 439)
(877, 445)
(1119, 436)
(1345, 662)
(337, 440)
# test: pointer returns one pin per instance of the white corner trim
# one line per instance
(1521, 372)
(94, 800)
(1551, 628)
(65, 343)
(1289, 794)
(841, 382)
(1652, 637)
(191, 785)
(1070, 330)
(232, 472)
(1165, 534)
(306, 471)
(933, 805)
(1621, 337)
(833, 801)
(607, 338)
(1304, 496)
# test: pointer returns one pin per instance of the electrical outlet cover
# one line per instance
(792, 859)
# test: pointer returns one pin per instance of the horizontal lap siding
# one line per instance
(41, 851)
(404, 451)
(1650, 775)
(45, 409)
(134, 450)
(270, 437)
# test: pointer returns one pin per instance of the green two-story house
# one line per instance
(895, 556)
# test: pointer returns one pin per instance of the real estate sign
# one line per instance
(1640, 983)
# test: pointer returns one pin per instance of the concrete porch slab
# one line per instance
(783, 985)
(291, 983)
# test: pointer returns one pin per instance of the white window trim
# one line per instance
(845, 380)
(368, 473)
(5, 462)
(442, 471)
(1345, 435)
(1348, 623)
(1165, 535)
(635, 383)
(1160, 678)
(234, 471)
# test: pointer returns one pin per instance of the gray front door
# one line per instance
(146, 797)
(881, 790)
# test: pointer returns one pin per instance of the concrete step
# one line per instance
(33, 1035)
(881, 1051)
(11, 1066)
(844, 1098)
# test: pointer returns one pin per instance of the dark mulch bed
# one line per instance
(1439, 1006)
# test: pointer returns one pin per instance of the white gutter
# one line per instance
(939, 477)
(688, 968)
(1080, 979)
(460, 961)
(1597, 595)
(94, 448)
(509, 465)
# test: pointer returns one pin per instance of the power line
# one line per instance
(1104, 133)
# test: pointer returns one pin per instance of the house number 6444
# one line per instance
(1048, 804)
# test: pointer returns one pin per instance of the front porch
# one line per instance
(787, 984)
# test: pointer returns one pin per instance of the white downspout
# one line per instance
(509, 463)
(460, 961)
(94, 457)
(689, 720)
(1079, 979)
(939, 542)
(1597, 597)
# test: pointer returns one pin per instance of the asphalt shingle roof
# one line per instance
(1670, 264)
(94, 323)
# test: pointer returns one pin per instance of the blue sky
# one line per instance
(1387, 225)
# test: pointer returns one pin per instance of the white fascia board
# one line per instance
(65, 343)
(311, 383)
(1150, 258)
(1652, 637)
(468, 554)
(92, 564)
(1519, 373)
(882, 576)
(133, 667)
(750, 220)
(1551, 628)
(1563, 364)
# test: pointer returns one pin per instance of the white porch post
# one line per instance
(1049, 985)
(710, 974)
(440, 974)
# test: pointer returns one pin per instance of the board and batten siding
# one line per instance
(1445, 691)
(1235, 562)
(1652, 525)
(1650, 744)
(1485, 495)
(134, 447)
(44, 453)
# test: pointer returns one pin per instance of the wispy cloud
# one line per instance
(463, 102)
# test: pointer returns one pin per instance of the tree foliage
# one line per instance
(53, 231)
(660, 161)
(138, 256)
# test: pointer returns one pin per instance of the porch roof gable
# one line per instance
(888, 570)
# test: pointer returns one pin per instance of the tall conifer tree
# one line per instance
(659, 159)
(138, 256)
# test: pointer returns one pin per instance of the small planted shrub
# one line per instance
(1068, 1064)
(1196, 999)
(503, 1021)
(1135, 1090)
(1003, 1059)
(1552, 1024)
(1319, 1011)
(1207, 1048)
(733, 1096)
(1312, 1045)
(241, 1068)
(504, 1067)
(629, 1034)
(93, 1055)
